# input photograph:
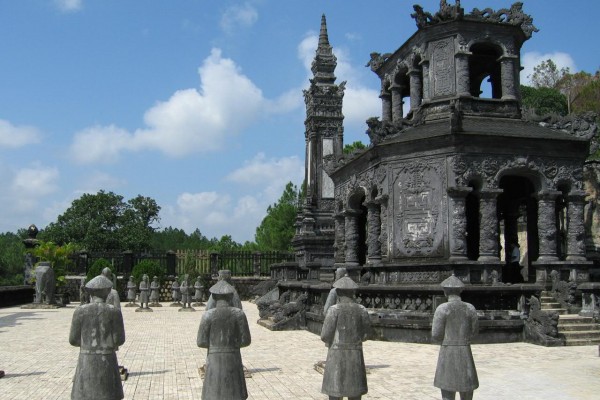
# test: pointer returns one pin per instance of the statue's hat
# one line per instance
(345, 283)
(99, 286)
(452, 283)
(221, 287)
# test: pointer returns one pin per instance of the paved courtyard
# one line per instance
(163, 360)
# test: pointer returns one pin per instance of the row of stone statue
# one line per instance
(180, 293)
(224, 330)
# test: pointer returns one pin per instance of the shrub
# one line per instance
(150, 268)
(97, 267)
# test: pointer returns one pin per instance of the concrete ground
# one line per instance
(163, 360)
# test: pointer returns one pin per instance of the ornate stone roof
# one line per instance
(512, 16)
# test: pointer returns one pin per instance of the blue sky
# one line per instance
(196, 103)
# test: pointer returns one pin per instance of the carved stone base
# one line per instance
(123, 372)
(143, 309)
(154, 305)
(176, 304)
(41, 306)
(201, 304)
(187, 309)
(131, 305)
(202, 372)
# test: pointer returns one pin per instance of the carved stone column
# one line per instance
(575, 227)
(340, 238)
(386, 106)
(547, 225)
(396, 102)
(415, 88)
(508, 77)
(458, 224)
(351, 233)
(425, 69)
(488, 236)
(373, 232)
(463, 77)
(383, 235)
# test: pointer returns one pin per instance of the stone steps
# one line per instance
(573, 328)
(578, 331)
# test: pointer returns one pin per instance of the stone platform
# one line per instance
(162, 359)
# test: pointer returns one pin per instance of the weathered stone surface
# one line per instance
(223, 331)
(345, 327)
(98, 329)
(454, 324)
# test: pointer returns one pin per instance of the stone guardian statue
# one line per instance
(225, 275)
(131, 292)
(144, 296)
(175, 293)
(97, 329)
(345, 327)
(223, 331)
(454, 324)
(186, 299)
(155, 293)
(198, 292)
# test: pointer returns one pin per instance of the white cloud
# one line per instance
(260, 171)
(12, 136)
(238, 16)
(530, 60)
(69, 5)
(28, 188)
(191, 121)
(236, 214)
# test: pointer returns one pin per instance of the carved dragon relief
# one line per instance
(491, 169)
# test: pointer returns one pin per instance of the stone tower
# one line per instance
(324, 135)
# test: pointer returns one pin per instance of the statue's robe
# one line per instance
(223, 330)
(98, 330)
(454, 324)
(345, 327)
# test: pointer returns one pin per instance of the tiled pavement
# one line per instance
(163, 360)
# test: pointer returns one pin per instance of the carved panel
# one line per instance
(442, 62)
(417, 209)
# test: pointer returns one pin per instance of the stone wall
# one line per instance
(16, 295)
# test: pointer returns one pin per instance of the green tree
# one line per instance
(277, 228)
(104, 221)
(357, 145)
(11, 259)
(544, 100)
(60, 257)
(588, 97)
(547, 75)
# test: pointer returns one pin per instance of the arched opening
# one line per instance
(485, 71)
(473, 221)
(356, 203)
(400, 90)
(517, 215)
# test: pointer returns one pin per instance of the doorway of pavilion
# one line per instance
(517, 219)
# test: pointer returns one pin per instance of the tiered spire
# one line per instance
(323, 66)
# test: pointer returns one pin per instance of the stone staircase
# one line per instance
(573, 328)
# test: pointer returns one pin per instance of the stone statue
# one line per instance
(45, 284)
(175, 293)
(97, 329)
(83, 295)
(155, 293)
(198, 292)
(223, 331)
(113, 297)
(144, 296)
(345, 327)
(454, 324)
(332, 296)
(225, 275)
(186, 299)
(131, 292)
